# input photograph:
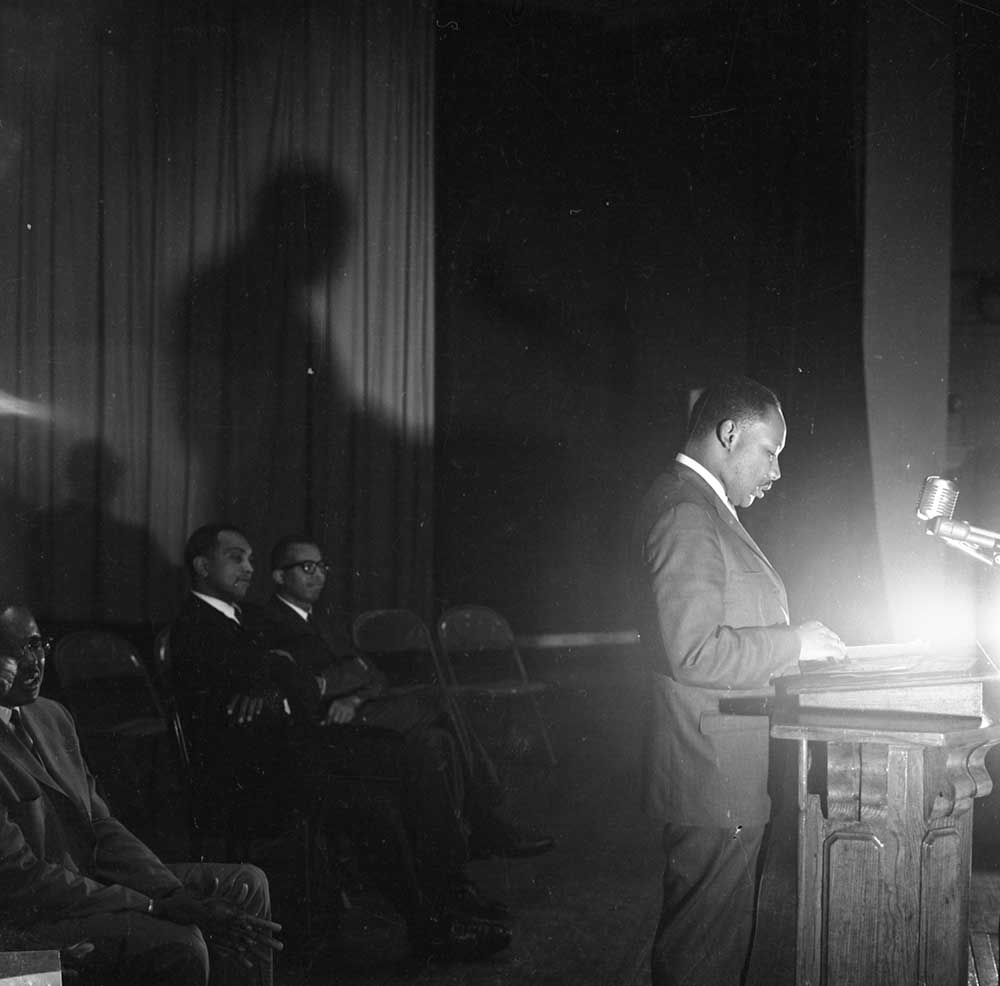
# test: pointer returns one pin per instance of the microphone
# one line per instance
(936, 508)
(938, 497)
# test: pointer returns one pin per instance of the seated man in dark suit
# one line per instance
(69, 871)
(343, 687)
(236, 693)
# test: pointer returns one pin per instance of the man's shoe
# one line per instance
(462, 939)
(466, 898)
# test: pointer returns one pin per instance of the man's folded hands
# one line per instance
(223, 920)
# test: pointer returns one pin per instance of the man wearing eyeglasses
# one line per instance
(70, 872)
(288, 620)
(351, 689)
(238, 693)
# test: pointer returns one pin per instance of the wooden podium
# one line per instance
(885, 822)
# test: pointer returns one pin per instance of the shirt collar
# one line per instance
(226, 609)
(304, 613)
(710, 478)
(5, 714)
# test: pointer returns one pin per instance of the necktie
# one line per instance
(20, 732)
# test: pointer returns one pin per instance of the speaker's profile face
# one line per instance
(752, 460)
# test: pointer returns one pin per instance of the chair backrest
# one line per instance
(86, 655)
(480, 636)
(162, 663)
(103, 680)
(399, 633)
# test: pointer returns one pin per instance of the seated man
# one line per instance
(396, 793)
(343, 687)
(70, 872)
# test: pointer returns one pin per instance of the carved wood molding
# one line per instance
(953, 778)
(859, 776)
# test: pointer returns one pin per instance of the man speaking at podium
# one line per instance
(715, 624)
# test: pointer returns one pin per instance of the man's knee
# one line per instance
(234, 876)
(258, 902)
(183, 961)
(430, 751)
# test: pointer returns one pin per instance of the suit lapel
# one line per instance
(295, 619)
(41, 764)
(206, 613)
(725, 515)
(318, 628)
(736, 526)
(16, 751)
(285, 614)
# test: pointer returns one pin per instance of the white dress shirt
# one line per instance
(710, 478)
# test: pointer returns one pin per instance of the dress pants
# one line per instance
(709, 889)
(131, 947)
(477, 792)
(395, 796)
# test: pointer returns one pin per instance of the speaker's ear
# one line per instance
(726, 433)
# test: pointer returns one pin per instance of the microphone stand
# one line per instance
(972, 551)
(977, 542)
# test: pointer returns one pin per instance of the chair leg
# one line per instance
(304, 837)
(509, 719)
(456, 712)
(156, 777)
(544, 730)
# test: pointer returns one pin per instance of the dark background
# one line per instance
(631, 199)
(625, 209)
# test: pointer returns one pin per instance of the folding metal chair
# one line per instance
(106, 685)
(109, 691)
(402, 634)
(481, 657)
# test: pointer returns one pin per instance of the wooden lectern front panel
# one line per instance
(883, 888)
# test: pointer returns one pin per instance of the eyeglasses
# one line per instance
(39, 647)
(309, 566)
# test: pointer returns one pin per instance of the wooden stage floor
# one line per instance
(584, 913)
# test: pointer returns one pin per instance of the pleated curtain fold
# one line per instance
(216, 294)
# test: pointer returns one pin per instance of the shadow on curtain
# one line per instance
(216, 294)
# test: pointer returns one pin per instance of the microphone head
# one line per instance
(937, 498)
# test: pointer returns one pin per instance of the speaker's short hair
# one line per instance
(739, 399)
(204, 540)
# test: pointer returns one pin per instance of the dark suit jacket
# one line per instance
(715, 624)
(214, 658)
(317, 650)
(62, 855)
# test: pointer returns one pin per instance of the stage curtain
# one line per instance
(216, 294)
